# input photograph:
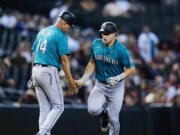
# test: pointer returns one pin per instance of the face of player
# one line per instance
(108, 38)
(66, 27)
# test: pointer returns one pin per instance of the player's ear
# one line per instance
(115, 34)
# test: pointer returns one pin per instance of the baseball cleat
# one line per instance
(104, 123)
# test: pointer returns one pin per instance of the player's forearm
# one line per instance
(90, 68)
(129, 71)
(114, 80)
(126, 73)
(66, 67)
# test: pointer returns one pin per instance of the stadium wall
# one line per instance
(77, 121)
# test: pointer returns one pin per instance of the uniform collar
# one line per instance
(110, 46)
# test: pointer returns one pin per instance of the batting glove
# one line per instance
(30, 84)
(82, 80)
(116, 79)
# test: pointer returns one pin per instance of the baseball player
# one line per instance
(112, 63)
(50, 50)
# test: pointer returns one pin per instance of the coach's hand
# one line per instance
(73, 87)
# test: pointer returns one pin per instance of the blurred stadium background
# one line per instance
(152, 98)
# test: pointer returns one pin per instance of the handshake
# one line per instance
(112, 81)
(75, 85)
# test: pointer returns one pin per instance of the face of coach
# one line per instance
(65, 21)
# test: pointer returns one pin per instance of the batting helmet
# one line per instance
(108, 27)
(68, 17)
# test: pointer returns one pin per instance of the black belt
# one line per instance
(42, 65)
(103, 82)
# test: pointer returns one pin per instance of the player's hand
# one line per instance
(73, 87)
(116, 79)
(79, 83)
(113, 81)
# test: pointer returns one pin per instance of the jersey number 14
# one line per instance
(42, 45)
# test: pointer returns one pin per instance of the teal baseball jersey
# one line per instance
(110, 60)
(50, 44)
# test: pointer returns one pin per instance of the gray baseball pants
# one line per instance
(111, 97)
(50, 96)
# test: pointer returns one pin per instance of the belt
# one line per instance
(41, 65)
(44, 65)
(103, 82)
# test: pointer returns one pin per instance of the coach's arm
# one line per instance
(66, 69)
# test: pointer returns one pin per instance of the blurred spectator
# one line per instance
(169, 2)
(129, 40)
(147, 44)
(136, 6)
(172, 86)
(123, 38)
(157, 95)
(131, 98)
(125, 5)
(73, 41)
(31, 21)
(29, 97)
(176, 99)
(161, 97)
(116, 8)
(8, 20)
(88, 5)
(73, 44)
(22, 56)
(58, 8)
(5, 81)
(44, 22)
(20, 20)
(177, 40)
(2, 95)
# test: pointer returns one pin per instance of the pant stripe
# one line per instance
(61, 104)
(58, 89)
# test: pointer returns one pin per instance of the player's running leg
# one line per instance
(114, 105)
(96, 101)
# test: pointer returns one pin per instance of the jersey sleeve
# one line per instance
(63, 45)
(127, 59)
(91, 54)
